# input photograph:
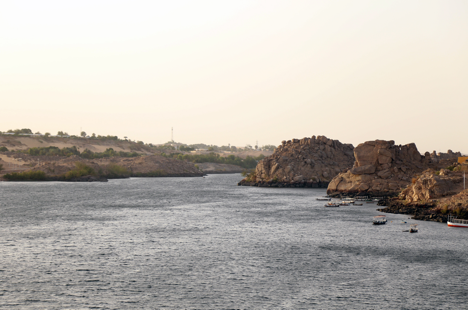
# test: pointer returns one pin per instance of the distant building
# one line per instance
(463, 160)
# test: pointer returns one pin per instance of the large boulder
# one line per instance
(380, 168)
(312, 161)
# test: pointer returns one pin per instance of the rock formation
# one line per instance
(433, 195)
(382, 168)
(309, 162)
(432, 185)
(436, 157)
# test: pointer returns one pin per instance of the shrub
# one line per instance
(451, 167)
(115, 171)
(3, 149)
(80, 169)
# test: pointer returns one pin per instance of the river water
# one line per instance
(205, 243)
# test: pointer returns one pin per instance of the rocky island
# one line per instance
(307, 162)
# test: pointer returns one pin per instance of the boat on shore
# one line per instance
(454, 222)
(379, 220)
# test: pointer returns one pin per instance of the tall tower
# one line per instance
(172, 134)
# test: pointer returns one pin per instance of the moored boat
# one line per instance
(379, 220)
(332, 204)
(323, 199)
(413, 228)
(454, 222)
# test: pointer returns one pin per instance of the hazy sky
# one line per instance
(235, 72)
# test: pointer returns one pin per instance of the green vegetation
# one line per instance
(186, 148)
(52, 151)
(1, 167)
(80, 170)
(250, 175)
(451, 167)
(248, 162)
(109, 153)
(86, 154)
(3, 149)
(116, 171)
(22, 131)
(26, 176)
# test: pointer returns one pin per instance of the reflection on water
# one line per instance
(205, 243)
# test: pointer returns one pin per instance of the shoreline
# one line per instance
(304, 184)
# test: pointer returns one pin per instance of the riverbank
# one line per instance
(425, 211)
(283, 184)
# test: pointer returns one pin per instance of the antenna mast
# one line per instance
(172, 134)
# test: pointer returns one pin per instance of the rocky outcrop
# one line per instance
(308, 162)
(450, 155)
(381, 168)
(433, 184)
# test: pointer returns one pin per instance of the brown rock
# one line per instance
(366, 169)
(316, 159)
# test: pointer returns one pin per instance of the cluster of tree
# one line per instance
(3, 149)
(69, 151)
(52, 151)
(248, 162)
(20, 131)
(109, 153)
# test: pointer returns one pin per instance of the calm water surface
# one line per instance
(205, 243)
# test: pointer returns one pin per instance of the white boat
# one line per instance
(413, 228)
(332, 204)
(454, 222)
(379, 220)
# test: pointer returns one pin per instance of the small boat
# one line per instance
(332, 204)
(323, 199)
(413, 228)
(403, 221)
(367, 201)
(344, 203)
(357, 204)
(454, 222)
(379, 220)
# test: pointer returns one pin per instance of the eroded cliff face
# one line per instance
(380, 168)
(310, 162)
(433, 184)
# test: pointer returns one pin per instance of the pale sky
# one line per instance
(235, 72)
